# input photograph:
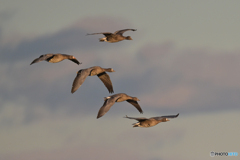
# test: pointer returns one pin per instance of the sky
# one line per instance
(184, 58)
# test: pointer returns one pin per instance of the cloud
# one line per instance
(196, 79)
(68, 39)
(163, 76)
(5, 15)
(48, 85)
(61, 41)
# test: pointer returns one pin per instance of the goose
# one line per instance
(114, 37)
(54, 58)
(120, 97)
(92, 71)
(149, 122)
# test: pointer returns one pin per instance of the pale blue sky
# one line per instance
(184, 58)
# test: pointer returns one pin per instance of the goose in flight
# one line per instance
(149, 122)
(120, 97)
(92, 71)
(114, 37)
(54, 58)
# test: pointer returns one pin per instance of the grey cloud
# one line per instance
(6, 15)
(60, 42)
(68, 39)
(164, 77)
(43, 83)
(213, 79)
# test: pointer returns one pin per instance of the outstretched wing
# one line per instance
(104, 33)
(75, 61)
(138, 119)
(42, 58)
(135, 104)
(80, 78)
(71, 59)
(169, 116)
(104, 77)
(120, 32)
(107, 105)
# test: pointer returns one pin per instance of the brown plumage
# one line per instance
(114, 37)
(54, 58)
(92, 71)
(149, 122)
(109, 101)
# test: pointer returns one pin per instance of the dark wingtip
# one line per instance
(72, 91)
(177, 115)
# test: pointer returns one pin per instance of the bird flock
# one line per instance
(104, 77)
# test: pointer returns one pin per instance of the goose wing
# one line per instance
(71, 59)
(79, 79)
(120, 32)
(135, 104)
(104, 77)
(75, 61)
(169, 116)
(104, 33)
(109, 101)
(42, 58)
(138, 118)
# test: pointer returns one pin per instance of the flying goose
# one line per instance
(114, 37)
(54, 58)
(149, 122)
(109, 101)
(92, 71)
